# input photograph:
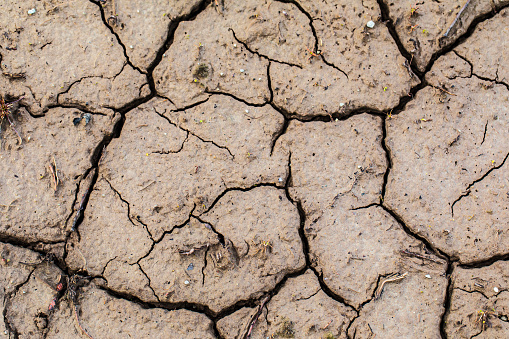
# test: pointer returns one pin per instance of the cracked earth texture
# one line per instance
(254, 169)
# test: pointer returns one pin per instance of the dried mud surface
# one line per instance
(254, 169)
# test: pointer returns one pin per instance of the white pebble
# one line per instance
(131, 47)
(341, 104)
(428, 276)
(221, 74)
(370, 24)
(280, 179)
(241, 70)
(260, 79)
(495, 289)
(31, 11)
(234, 45)
(186, 282)
(247, 111)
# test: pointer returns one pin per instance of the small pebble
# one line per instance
(190, 267)
(495, 289)
(241, 70)
(341, 104)
(131, 47)
(370, 24)
(428, 276)
(234, 45)
(186, 282)
(280, 179)
(31, 11)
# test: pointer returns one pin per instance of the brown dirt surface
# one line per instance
(254, 169)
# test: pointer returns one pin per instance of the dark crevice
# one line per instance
(241, 189)
(220, 236)
(30, 245)
(66, 91)
(467, 190)
(471, 292)
(305, 243)
(200, 308)
(491, 80)
(485, 263)
(388, 158)
(80, 107)
(448, 300)
(157, 241)
(205, 264)
(484, 135)
(281, 132)
(183, 109)
(177, 151)
(107, 263)
(466, 60)
(128, 209)
(236, 98)
(315, 35)
(269, 83)
(330, 64)
(12, 331)
(364, 207)
(386, 18)
(112, 31)
(193, 134)
(149, 281)
(172, 28)
(259, 54)
(432, 249)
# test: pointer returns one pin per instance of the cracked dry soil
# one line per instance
(254, 169)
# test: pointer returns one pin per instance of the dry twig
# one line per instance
(390, 278)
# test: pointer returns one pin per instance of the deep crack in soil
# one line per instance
(259, 159)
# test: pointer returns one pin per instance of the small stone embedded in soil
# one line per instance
(370, 24)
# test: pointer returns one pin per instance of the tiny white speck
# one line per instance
(131, 47)
(495, 289)
(186, 282)
(221, 74)
(341, 104)
(31, 11)
(247, 111)
(260, 79)
(280, 179)
(234, 45)
(370, 24)
(428, 276)
(241, 70)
